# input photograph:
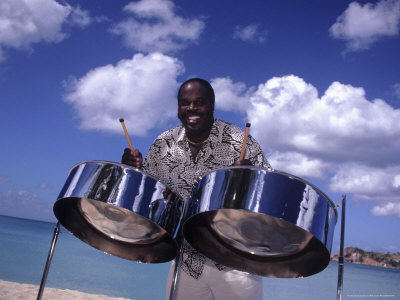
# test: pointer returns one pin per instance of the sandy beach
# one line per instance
(13, 290)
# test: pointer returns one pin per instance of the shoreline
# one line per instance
(25, 291)
(370, 258)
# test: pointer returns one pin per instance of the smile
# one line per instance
(193, 118)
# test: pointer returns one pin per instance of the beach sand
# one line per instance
(13, 290)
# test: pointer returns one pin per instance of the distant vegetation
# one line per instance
(359, 256)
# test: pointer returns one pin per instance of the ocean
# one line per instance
(25, 245)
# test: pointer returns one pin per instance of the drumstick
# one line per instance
(126, 133)
(246, 133)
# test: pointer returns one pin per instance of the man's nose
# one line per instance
(192, 106)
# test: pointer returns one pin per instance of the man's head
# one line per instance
(196, 107)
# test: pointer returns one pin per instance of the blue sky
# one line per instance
(318, 80)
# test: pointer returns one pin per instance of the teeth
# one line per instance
(193, 117)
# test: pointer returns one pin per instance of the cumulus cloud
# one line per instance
(139, 89)
(24, 23)
(297, 163)
(366, 182)
(362, 25)
(250, 33)
(396, 90)
(290, 109)
(80, 17)
(342, 138)
(154, 27)
(231, 96)
(389, 209)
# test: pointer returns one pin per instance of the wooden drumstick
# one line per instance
(246, 133)
(126, 133)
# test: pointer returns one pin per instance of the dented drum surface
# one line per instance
(119, 210)
(260, 221)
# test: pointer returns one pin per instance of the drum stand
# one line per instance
(174, 283)
(48, 262)
(341, 257)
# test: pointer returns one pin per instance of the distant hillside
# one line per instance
(359, 256)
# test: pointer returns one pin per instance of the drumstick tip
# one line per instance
(247, 124)
(121, 120)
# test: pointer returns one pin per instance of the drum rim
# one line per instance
(139, 170)
(109, 163)
(331, 203)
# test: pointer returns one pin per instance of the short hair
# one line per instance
(205, 84)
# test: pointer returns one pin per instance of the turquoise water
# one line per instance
(76, 265)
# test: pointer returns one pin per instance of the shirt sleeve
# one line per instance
(150, 164)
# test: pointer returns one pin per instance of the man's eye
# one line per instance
(183, 103)
(200, 102)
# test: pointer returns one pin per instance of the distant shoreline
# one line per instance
(358, 256)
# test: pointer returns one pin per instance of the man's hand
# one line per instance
(132, 158)
(168, 194)
(243, 162)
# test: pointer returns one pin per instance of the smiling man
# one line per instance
(177, 158)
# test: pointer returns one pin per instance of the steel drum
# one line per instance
(260, 221)
(120, 210)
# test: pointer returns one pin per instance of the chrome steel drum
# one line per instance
(259, 221)
(120, 210)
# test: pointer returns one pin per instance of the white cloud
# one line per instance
(396, 181)
(139, 89)
(298, 164)
(340, 126)
(367, 182)
(363, 25)
(24, 23)
(250, 33)
(154, 26)
(396, 90)
(341, 137)
(80, 17)
(231, 96)
(389, 209)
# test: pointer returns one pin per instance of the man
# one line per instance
(177, 158)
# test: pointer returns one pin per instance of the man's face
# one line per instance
(194, 109)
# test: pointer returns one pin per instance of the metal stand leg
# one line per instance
(341, 257)
(174, 284)
(48, 262)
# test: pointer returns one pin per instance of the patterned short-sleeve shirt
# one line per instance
(170, 160)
